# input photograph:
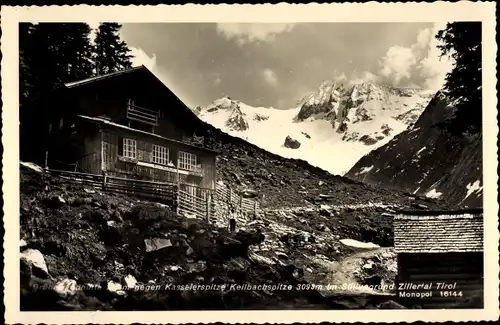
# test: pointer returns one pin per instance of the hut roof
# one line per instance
(454, 231)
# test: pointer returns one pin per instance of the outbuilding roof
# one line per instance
(439, 232)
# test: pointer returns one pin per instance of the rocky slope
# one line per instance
(427, 160)
(82, 249)
(352, 119)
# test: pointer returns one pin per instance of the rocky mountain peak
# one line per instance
(353, 118)
(237, 120)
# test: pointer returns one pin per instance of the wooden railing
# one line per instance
(161, 192)
(142, 114)
(188, 200)
(197, 171)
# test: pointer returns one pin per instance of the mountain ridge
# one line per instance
(351, 119)
(428, 160)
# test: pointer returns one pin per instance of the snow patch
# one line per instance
(358, 244)
(433, 194)
(365, 170)
(473, 188)
(422, 149)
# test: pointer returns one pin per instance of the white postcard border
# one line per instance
(364, 12)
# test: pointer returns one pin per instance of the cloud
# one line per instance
(420, 64)
(397, 63)
(270, 77)
(354, 77)
(142, 58)
(251, 32)
(364, 77)
(433, 67)
(339, 76)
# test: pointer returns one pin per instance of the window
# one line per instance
(187, 160)
(130, 102)
(160, 155)
(129, 148)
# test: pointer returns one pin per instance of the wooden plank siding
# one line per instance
(465, 269)
(91, 160)
(109, 97)
(117, 166)
(75, 147)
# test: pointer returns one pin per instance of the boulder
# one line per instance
(368, 140)
(342, 127)
(35, 258)
(154, 244)
(325, 211)
(321, 227)
(291, 143)
(116, 288)
(368, 266)
(129, 281)
(66, 287)
(249, 193)
(386, 129)
(261, 259)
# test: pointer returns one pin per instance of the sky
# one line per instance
(275, 65)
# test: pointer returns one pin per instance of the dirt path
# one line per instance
(341, 277)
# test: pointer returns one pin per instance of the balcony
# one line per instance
(142, 114)
(196, 171)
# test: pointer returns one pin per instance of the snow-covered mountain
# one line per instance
(331, 128)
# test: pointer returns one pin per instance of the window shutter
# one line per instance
(120, 146)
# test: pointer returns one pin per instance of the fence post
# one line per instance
(104, 179)
(207, 205)
(175, 199)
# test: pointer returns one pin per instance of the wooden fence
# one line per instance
(196, 201)
(161, 192)
(227, 199)
(186, 199)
